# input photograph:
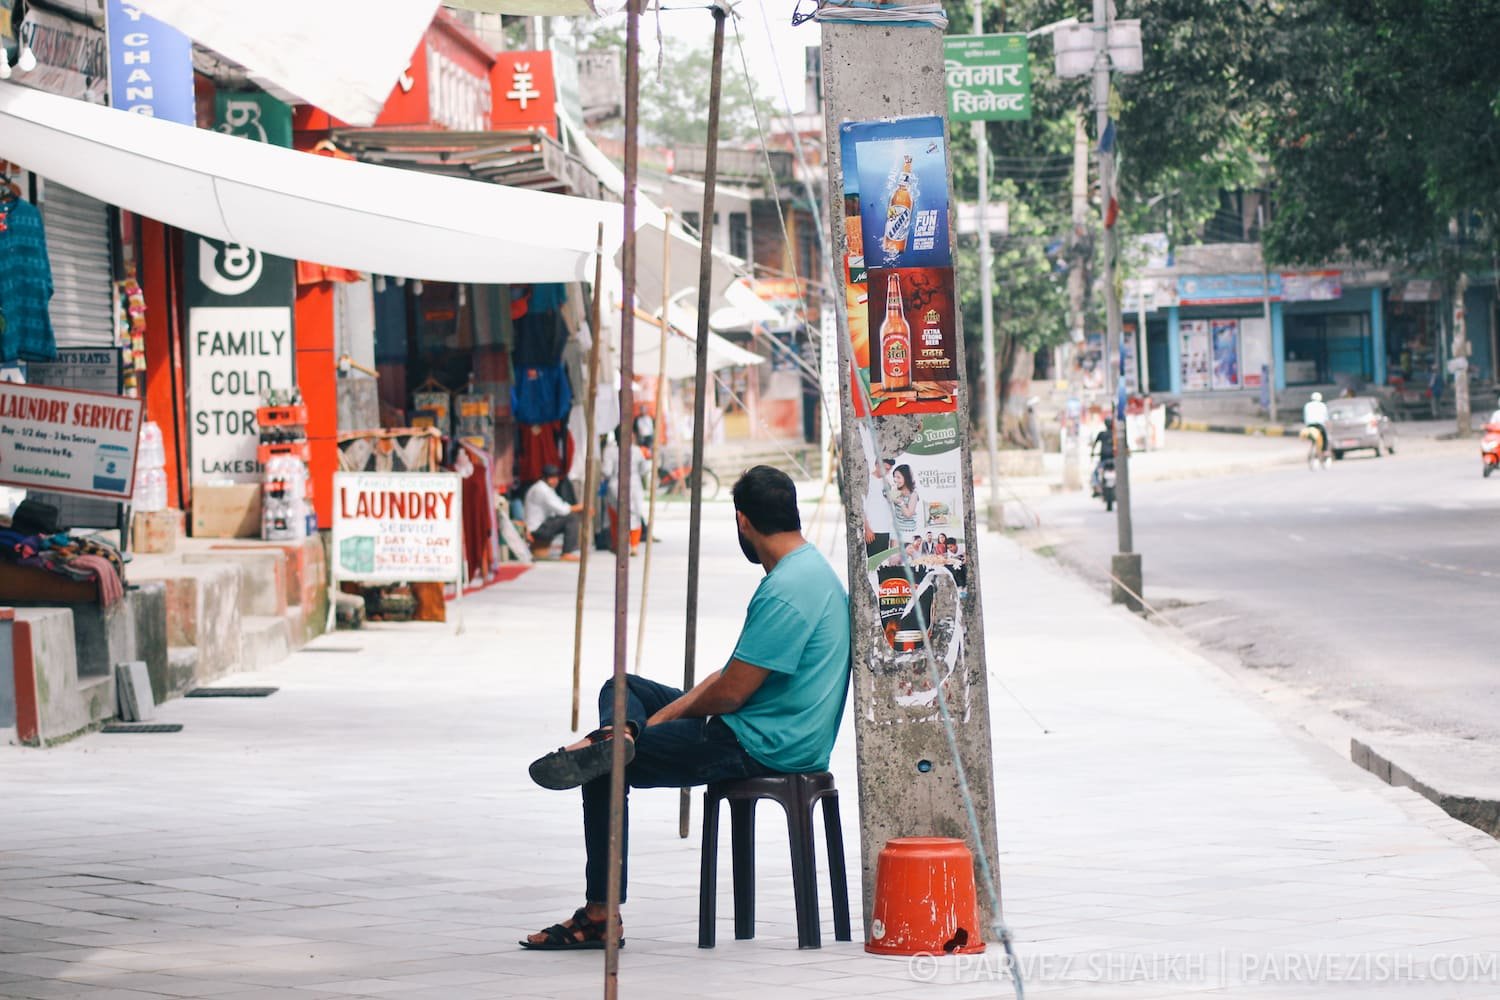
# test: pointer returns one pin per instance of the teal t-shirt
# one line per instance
(797, 627)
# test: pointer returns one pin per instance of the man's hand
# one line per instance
(725, 691)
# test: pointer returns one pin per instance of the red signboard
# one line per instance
(525, 91)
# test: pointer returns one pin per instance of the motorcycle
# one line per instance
(1104, 482)
(1489, 445)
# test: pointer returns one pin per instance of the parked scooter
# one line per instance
(1489, 444)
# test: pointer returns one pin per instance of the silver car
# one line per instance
(1357, 424)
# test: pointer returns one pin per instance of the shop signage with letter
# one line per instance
(150, 66)
(401, 527)
(525, 91)
(240, 334)
(67, 441)
(988, 77)
(71, 58)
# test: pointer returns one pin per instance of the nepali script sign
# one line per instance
(989, 78)
(68, 441)
(397, 527)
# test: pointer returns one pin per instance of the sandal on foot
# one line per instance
(563, 768)
(585, 935)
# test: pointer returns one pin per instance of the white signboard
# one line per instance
(234, 354)
(68, 441)
(397, 527)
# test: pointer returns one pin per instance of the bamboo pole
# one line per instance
(700, 387)
(661, 379)
(622, 538)
(590, 469)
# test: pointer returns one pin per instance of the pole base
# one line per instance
(1126, 585)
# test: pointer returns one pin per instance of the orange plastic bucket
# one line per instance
(925, 899)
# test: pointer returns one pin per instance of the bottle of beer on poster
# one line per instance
(898, 212)
(895, 340)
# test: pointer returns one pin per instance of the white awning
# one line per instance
(342, 56)
(654, 235)
(307, 207)
(682, 361)
(536, 8)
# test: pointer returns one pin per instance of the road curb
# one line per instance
(1252, 430)
(1480, 812)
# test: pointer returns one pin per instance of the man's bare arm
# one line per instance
(725, 691)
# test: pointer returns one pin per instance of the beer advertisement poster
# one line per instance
(914, 509)
(898, 172)
(912, 342)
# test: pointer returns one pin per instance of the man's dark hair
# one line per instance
(548, 471)
(768, 498)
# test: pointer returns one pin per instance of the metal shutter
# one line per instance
(78, 244)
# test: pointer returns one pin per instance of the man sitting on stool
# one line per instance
(549, 515)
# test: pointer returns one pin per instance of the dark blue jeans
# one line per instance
(677, 754)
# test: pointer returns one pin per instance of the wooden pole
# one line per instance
(661, 378)
(700, 382)
(590, 468)
(622, 538)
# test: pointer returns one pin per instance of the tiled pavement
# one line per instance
(369, 831)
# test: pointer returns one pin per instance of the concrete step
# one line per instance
(53, 701)
(264, 641)
(182, 667)
(203, 610)
(263, 584)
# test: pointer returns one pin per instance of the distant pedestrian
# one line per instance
(549, 515)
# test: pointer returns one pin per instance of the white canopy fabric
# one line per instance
(538, 8)
(343, 56)
(280, 201)
(682, 359)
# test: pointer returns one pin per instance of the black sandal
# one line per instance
(563, 768)
(586, 934)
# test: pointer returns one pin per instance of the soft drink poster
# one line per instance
(913, 344)
(899, 171)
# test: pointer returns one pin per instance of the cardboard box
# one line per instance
(156, 532)
(230, 511)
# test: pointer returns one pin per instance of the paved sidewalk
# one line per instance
(369, 831)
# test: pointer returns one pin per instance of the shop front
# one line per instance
(1229, 334)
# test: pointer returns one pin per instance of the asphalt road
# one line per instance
(1373, 587)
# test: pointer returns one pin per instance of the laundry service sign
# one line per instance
(239, 342)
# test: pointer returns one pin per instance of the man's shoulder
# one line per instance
(805, 576)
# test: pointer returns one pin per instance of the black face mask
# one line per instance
(746, 547)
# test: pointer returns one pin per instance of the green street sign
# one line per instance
(989, 78)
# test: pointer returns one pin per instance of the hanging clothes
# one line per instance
(540, 337)
(541, 445)
(541, 394)
(548, 298)
(25, 283)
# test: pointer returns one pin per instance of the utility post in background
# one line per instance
(1114, 46)
(910, 782)
(1078, 277)
(1459, 365)
(990, 378)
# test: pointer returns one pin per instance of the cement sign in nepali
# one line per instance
(989, 78)
(67, 441)
(400, 527)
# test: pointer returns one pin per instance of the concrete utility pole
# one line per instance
(908, 777)
(1125, 565)
(1078, 276)
(1461, 351)
(991, 378)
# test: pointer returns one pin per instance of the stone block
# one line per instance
(53, 701)
(263, 583)
(203, 610)
(264, 642)
(148, 602)
(182, 667)
(103, 637)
